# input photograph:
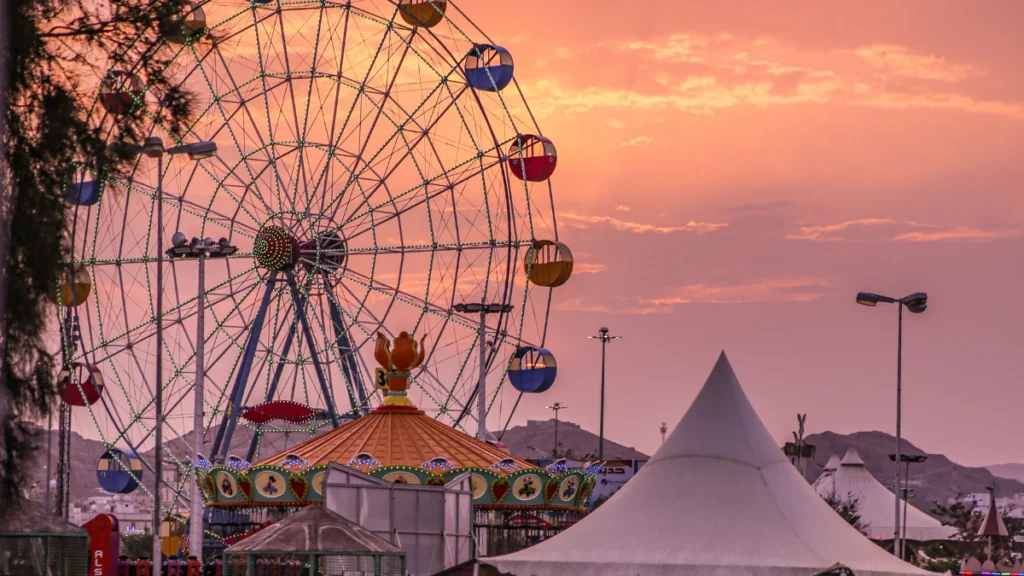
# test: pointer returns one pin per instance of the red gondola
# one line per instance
(279, 410)
(532, 158)
(120, 92)
(80, 374)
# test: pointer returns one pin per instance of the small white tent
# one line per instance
(719, 498)
(875, 503)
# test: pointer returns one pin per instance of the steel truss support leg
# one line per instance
(348, 361)
(300, 311)
(272, 390)
(222, 442)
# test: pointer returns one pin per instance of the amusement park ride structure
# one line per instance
(375, 189)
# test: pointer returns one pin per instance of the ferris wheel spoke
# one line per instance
(414, 202)
(278, 185)
(421, 136)
(344, 126)
(227, 125)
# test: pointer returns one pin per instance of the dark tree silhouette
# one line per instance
(849, 509)
(55, 54)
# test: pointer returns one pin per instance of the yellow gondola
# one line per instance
(549, 264)
(75, 287)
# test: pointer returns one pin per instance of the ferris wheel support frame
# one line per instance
(227, 426)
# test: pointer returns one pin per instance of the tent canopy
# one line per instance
(718, 498)
(875, 503)
(314, 529)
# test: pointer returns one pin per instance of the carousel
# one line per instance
(516, 502)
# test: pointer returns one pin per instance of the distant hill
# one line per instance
(935, 480)
(85, 452)
(1010, 471)
(537, 440)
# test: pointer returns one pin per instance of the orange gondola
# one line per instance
(425, 13)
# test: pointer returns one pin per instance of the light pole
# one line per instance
(906, 493)
(200, 250)
(153, 147)
(557, 406)
(916, 303)
(604, 338)
(482, 308)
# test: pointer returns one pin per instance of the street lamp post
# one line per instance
(153, 147)
(557, 406)
(604, 338)
(482, 308)
(916, 303)
(906, 493)
(200, 250)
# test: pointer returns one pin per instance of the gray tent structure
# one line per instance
(314, 542)
(33, 542)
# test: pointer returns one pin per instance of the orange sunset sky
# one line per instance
(732, 173)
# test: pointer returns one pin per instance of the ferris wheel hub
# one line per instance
(290, 239)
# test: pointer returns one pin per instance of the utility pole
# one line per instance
(482, 308)
(604, 338)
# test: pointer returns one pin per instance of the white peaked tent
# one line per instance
(875, 503)
(833, 463)
(720, 499)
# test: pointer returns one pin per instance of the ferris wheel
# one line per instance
(354, 167)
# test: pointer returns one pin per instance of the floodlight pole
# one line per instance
(557, 406)
(195, 533)
(159, 400)
(896, 549)
(481, 391)
(604, 338)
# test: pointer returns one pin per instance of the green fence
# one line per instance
(44, 554)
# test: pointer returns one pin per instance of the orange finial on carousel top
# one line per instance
(398, 362)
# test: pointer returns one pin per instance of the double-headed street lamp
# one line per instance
(199, 250)
(605, 339)
(153, 147)
(916, 303)
(483, 309)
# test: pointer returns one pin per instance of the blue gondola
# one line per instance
(532, 370)
(488, 67)
(84, 193)
(112, 471)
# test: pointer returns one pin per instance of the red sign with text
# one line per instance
(104, 544)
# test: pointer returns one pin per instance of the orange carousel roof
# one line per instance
(398, 436)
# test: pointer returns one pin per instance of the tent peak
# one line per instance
(833, 463)
(852, 458)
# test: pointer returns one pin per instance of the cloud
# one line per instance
(900, 61)
(958, 233)
(788, 289)
(676, 49)
(615, 123)
(585, 305)
(622, 208)
(829, 232)
(581, 221)
(638, 142)
(757, 207)
(702, 74)
(588, 268)
(918, 232)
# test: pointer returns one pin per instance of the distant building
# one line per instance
(134, 512)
